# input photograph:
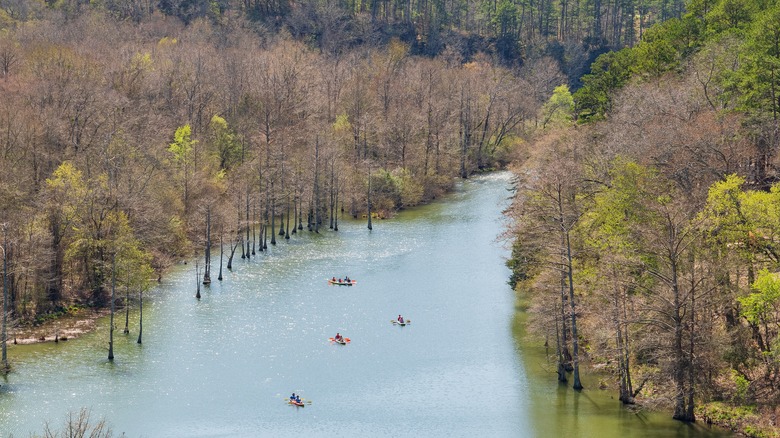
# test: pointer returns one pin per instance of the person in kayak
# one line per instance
(339, 337)
(346, 279)
(293, 397)
(333, 279)
(400, 319)
(297, 399)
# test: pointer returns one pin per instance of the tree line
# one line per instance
(646, 233)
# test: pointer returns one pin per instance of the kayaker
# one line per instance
(338, 337)
(297, 398)
(333, 279)
(293, 397)
(400, 319)
(346, 279)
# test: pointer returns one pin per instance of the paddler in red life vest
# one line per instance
(338, 337)
(400, 319)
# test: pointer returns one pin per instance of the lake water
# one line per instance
(225, 365)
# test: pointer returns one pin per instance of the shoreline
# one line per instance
(63, 328)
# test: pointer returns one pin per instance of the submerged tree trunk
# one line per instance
(207, 267)
(127, 308)
(248, 224)
(287, 226)
(368, 198)
(197, 280)
(111, 322)
(221, 253)
(316, 191)
(273, 215)
(574, 339)
(560, 337)
(295, 215)
(336, 207)
(233, 251)
(5, 299)
(300, 212)
(140, 314)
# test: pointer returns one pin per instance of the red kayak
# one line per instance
(296, 403)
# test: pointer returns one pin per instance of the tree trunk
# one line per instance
(254, 229)
(111, 325)
(287, 225)
(574, 339)
(197, 281)
(336, 207)
(368, 198)
(273, 215)
(316, 191)
(221, 252)
(140, 314)
(233, 251)
(127, 309)
(5, 299)
(207, 267)
(248, 224)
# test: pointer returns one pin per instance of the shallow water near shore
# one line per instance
(223, 366)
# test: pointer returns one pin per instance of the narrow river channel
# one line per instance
(225, 365)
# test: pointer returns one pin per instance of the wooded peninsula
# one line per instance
(644, 137)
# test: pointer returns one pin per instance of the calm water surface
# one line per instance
(223, 366)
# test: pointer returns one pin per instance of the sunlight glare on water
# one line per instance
(223, 366)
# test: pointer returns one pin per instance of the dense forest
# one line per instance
(134, 133)
(127, 145)
(647, 231)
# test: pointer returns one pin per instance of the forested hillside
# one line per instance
(647, 234)
(120, 138)
(124, 122)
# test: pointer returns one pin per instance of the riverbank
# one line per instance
(70, 325)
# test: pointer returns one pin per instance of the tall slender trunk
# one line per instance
(560, 344)
(140, 314)
(574, 339)
(113, 294)
(240, 233)
(248, 224)
(336, 207)
(221, 253)
(5, 298)
(197, 280)
(287, 225)
(207, 267)
(294, 215)
(316, 191)
(368, 198)
(127, 308)
(273, 215)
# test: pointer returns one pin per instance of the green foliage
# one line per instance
(619, 208)
(608, 73)
(227, 149)
(410, 188)
(731, 15)
(181, 148)
(559, 110)
(524, 262)
(758, 306)
(758, 77)
(742, 384)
